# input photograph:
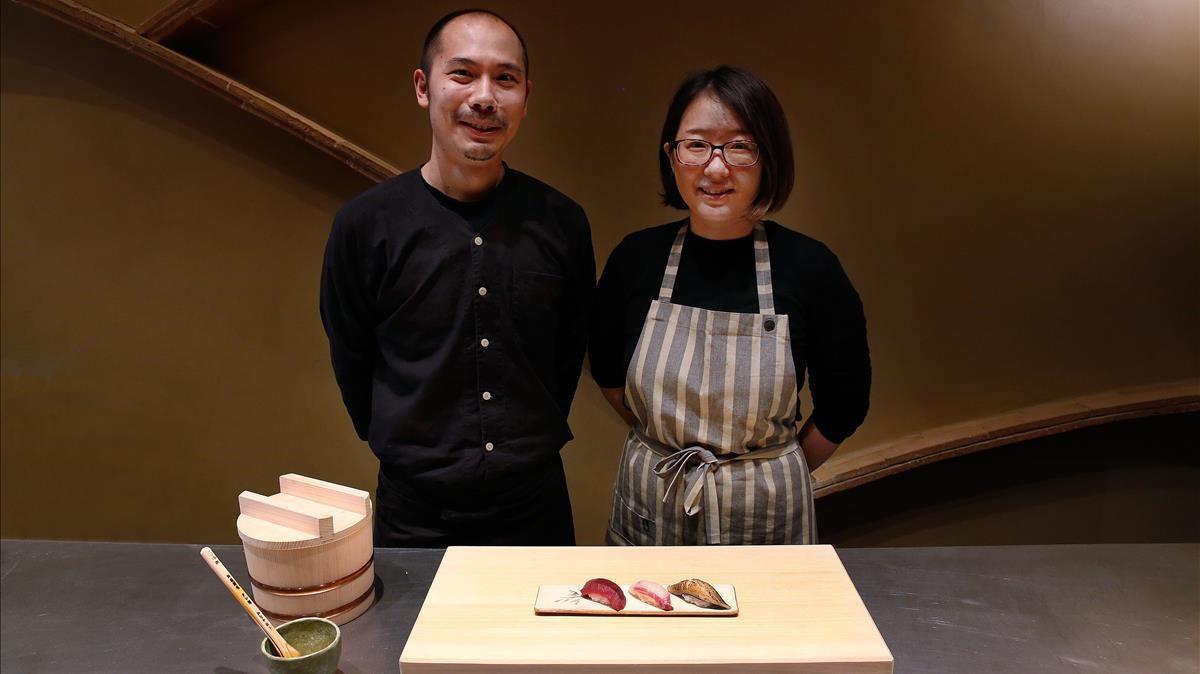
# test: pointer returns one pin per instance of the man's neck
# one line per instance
(463, 182)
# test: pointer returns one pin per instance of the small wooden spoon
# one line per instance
(285, 649)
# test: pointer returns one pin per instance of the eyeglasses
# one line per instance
(696, 152)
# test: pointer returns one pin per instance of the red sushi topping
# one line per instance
(604, 591)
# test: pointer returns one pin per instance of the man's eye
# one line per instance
(460, 73)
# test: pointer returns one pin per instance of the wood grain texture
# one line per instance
(799, 612)
(309, 549)
(303, 517)
(854, 467)
(163, 23)
(336, 495)
(257, 104)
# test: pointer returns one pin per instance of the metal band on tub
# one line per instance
(313, 589)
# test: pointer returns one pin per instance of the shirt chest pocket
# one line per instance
(536, 300)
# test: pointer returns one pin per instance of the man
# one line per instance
(455, 298)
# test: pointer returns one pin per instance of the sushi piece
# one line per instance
(604, 591)
(698, 592)
(649, 592)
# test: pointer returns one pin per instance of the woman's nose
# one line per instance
(716, 166)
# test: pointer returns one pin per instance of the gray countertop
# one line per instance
(133, 607)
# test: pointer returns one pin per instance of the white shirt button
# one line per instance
(479, 241)
(484, 342)
(487, 395)
(482, 291)
(489, 446)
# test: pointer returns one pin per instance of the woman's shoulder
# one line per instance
(801, 257)
(649, 243)
(798, 247)
(652, 237)
(796, 243)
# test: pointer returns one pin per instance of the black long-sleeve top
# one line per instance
(457, 330)
(827, 325)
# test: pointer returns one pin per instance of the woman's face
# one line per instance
(718, 195)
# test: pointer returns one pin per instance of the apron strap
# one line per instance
(762, 269)
(672, 270)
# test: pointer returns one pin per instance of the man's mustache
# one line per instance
(486, 122)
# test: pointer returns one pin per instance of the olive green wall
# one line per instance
(1012, 187)
(161, 344)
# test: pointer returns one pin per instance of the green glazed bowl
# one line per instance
(319, 642)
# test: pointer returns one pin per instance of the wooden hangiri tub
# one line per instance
(308, 550)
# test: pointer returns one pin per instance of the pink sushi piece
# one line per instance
(604, 591)
(649, 592)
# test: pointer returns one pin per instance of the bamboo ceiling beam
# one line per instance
(168, 20)
(860, 466)
(117, 33)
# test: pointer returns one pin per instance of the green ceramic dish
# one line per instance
(319, 642)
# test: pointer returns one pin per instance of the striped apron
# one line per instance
(714, 458)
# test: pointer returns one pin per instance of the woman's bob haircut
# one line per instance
(755, 105)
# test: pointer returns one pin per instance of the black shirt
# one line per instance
(454, 325)
(828, 328)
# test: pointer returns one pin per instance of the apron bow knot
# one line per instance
(697, 479)
(677, 464)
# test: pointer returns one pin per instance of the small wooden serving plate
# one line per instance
(566, 600)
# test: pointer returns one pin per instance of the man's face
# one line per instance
(476, 91)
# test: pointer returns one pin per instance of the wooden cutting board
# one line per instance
(798, 612)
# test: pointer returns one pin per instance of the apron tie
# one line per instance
(697, 480)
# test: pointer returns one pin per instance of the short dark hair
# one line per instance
(755, 105)
(433, 38)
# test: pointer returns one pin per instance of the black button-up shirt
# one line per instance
(457, 331)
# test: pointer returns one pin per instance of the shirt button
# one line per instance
(482, 291)
(484, 342)
(487, 395)
(479, 241)
(489, 446)
(769, 324)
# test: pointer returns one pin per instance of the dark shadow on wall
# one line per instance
(105, 77)
(1128, 482)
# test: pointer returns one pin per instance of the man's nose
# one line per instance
(483, 97)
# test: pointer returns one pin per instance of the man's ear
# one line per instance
(421, 87)
(528, 91)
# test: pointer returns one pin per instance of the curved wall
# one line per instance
(161, 344)
(1011, 187)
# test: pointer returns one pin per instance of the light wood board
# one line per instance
(798, 612)
(566, 600)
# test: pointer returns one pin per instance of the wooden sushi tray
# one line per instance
(798, 612)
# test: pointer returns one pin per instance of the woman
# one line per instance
(703, 329)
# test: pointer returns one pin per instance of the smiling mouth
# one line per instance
(715, 193)
(480, 127)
